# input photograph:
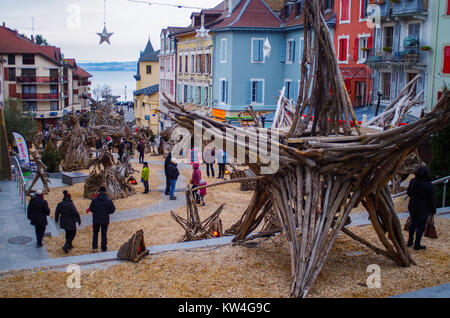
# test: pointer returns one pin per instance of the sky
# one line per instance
(73, 25)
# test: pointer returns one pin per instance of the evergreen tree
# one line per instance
(50, 157)
(440, 164)
(15, 120)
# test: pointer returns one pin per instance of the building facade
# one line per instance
(36, 75)
(146, 95)
(353, 38)
(440, 52)
(1, 83)
(399, 50)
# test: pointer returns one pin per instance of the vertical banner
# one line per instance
(22, 147)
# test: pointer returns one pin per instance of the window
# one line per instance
(53, 89)
(28, 59)
(11, 74)
(328, 5)
(208, 63)
(257, 92)
(185, 94)
(11, 59)
(223, 91)
(446, 66)
(223, 50)
(388, 36)
(205, 101)
(54, 105)
(414, 30)
(198, 96)
(186, 63)
(298, 8)
(386, 86)
(288, 91)
(363, 46)
(29, 89)
(290, 51)
(180, 68)
(257, 50)
(342, 49)
(54, 74)
(302, 44)
(345, 11)
(192, 58)
(363, 8)
(149, 69)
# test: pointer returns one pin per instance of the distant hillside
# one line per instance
(109, 66)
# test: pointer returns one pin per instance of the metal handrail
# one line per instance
(443, 180)
(20, 180)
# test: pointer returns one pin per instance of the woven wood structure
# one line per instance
(133, 250)
(327, 164)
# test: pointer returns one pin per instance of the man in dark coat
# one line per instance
(37, 213)
(166, 169)
(120, 150)
(421, 205)
(172, 174)
(141, 149)
(98, 145)
(101, 207)
(68, 216)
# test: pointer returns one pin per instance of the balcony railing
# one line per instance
(37, 79)
(407, 57)
(38, 96)
(75, 91)
(389, 8)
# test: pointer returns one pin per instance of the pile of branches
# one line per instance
(109, 175)
(327, 165)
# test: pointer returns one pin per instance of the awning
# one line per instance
(354, 72)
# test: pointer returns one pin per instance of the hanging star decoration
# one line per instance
(267, 48)
(202, 32)
(104, 36)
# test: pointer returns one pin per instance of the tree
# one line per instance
(106, 91)
(5, 163)
(15, 120)
(50, 157)
(39, 39)
(440, 164)
(97, 92)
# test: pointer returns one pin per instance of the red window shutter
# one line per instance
(12, 91)
(6, 73)
(448, 7)
(344, 10)
(370, 42)
(341, 48)
(439, 93)
(446, 68)
(356, 50)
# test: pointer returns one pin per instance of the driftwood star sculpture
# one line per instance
(327, 163)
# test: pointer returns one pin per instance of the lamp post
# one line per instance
(263, 119)
(380, 93)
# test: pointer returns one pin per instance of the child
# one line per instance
(202, 191)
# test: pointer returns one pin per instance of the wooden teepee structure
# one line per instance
(327, 163)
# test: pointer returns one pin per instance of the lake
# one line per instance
(117, 80)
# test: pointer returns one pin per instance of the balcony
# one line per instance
(399, 8)
(38, 96)
(75, 91)
(48, 113)
(37, 79)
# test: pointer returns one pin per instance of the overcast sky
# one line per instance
(72, 25)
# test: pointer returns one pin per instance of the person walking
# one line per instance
(167, 162)
(101, 207)
(221, 161)
(195, 180)
(141, 150)
(172, 174)
(98, 146)
(68, 216)
(144, 177)
(120, 150)
(37, 212)
(209, 157)
(421, 205)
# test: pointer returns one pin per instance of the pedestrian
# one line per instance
(172, 174)
(195, 180)
(120, 150)
(222, 161)
(166, 169)
(68, 216)
(421, 205)
(109, 143)
(101, 207)
(141, 149)
(202, 191)
(98, 145)
(209, 157)
(37, 212)
(144, 177)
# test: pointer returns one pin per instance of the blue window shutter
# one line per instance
(249, 93)
(378, 34)
(222, 83)
(226, 91)
(294, 91)
(293, 51)
(261, 54)
(283, 51)
(420, 83)
(396, 39)
(393, 85)
(259, 92)
(255, 44)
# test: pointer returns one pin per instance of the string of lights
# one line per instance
(165, 4)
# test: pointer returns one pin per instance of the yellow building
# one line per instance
(146, 95)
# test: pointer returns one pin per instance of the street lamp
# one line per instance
(380, 93)
(263, 119)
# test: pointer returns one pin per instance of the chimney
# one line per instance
(32, 38)
(4, 24)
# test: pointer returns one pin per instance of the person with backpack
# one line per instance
(141, 150)
(421, 205)
(37, 213)
(68, 216)
(195, 180)
(202, 191)
(144, 177)
(101, 207)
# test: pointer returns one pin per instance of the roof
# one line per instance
(354, 72)
(12, 42)
(147, 90)
(149, 54)
(78, 71)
